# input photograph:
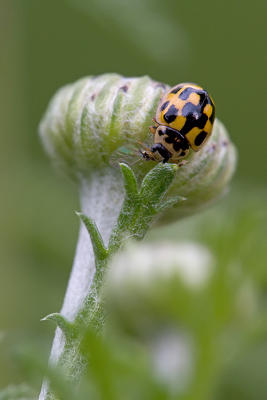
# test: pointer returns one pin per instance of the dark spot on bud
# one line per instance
(93, 96)
(124, 88)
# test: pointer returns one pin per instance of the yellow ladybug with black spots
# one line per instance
(184, 120)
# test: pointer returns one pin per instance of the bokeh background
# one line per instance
(46, 44)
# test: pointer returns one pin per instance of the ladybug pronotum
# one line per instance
(184, 120)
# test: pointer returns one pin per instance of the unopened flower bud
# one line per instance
(96, 122)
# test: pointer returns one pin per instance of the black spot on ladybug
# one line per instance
(203, 98)
(171, 114)
(191, 109)
(176, 146)
(182, 154)
(181, 145)
(184, 145)
(160, 132)
(186, 93)
(194, 117)
(200, 138)
(164, 105)
(171, 137)
(124, 88)
(165, 154)
(176, 89)
(178, 140)
(201, 122)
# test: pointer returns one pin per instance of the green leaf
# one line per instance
(100, 251)
(139, 209)
(170, 203)
(129, 210)
(157, 182)
(67, 327)
(130, 184)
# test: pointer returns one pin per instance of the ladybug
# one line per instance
(184, 120)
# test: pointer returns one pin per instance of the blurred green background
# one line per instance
(46, 44)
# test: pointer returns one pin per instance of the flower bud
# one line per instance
(96, 122)
(87, 121)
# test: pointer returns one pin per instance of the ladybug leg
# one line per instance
(183, 162)
(153, 129)
(165, 154)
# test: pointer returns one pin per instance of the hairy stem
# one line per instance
(101, 199)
